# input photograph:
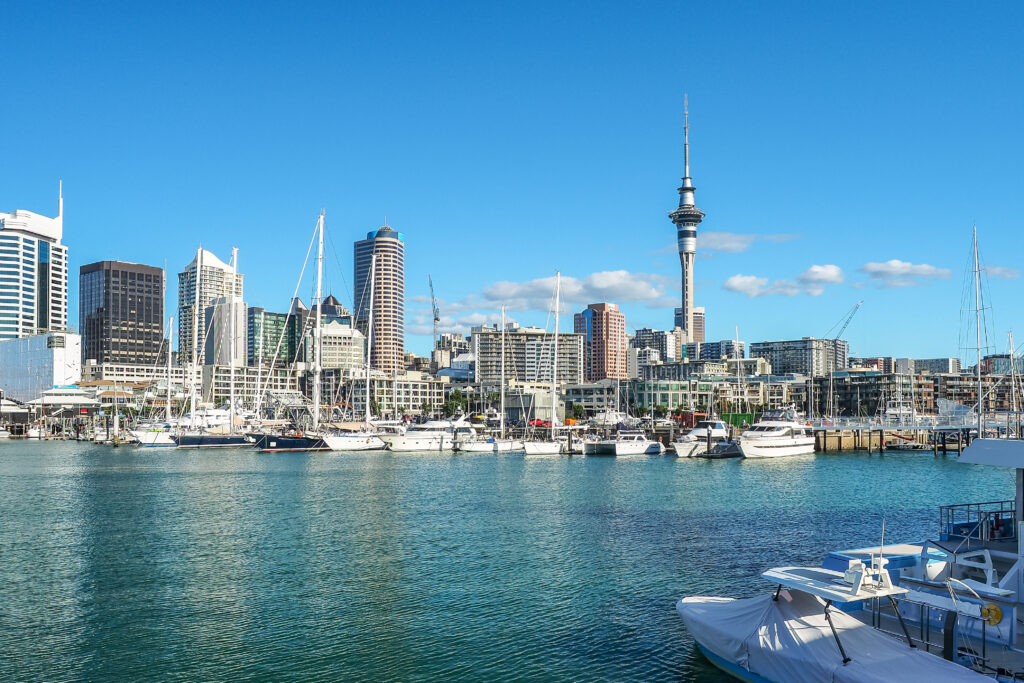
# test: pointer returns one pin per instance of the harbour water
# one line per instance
(129, 563)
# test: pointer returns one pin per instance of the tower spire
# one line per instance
(686, 136)
(686, 218)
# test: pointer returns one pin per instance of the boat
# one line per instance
(293, 441)
(433, 435)
(704, 435)
(552, 445)
(628, 442)
(497, 443)
(4, 434)
(777, 434)
(354, 441)
(797, 634)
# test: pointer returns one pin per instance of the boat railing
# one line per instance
(982, 522)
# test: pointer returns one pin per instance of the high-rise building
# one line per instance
(387, 338)
(225, 339)
(527, 355)
(33, 273)
(121, 313)
(666, 343)
(603, 327)
(216, 279)
(686, 219)
(807, 356)
(698, 324)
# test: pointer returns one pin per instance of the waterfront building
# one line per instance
(31, 365)
(686, 219)
(249, 384)
(133, 373)
(33, 273)
(903, 366)
(637, 359)
(121, 313)
(595, 397)
(938, 365)
(881, 364)
(387, 339)
(603, 327)
(225, 338)
(998, 364)
(342, 347)
(806, 356)
(216, 279)
(727, 348)
(404, 393)
(666, 343)
(528, 355)
(721, 394)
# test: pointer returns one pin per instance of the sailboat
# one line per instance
(201, 436)
(153, 434)
(552, 446)
(367, 438)
(498, 444)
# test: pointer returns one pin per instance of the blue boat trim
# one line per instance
(733, 670)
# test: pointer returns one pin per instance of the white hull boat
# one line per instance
(695, 442)
(412, 441)
(354, 442)
(4, 434)
(491, 446)
(791, 640)
(638, 447)
(542, 447)
(154, 439)
(777, 434)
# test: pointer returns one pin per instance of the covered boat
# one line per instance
(795, 636)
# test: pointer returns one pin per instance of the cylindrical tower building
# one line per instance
(686, 218)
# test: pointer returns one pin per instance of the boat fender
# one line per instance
(992, 614)
(949, 636)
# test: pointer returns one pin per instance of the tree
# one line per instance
(375, 408)
(660, 411)
(578, 411)
(426, 409)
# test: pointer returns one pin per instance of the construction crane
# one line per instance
(433, 305)
(845, 321)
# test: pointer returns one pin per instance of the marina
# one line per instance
(393, 566)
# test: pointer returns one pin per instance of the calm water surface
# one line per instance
(129, 564)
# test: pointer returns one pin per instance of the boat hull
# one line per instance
(638, 448)
(154, 439)
(272, 443)
(493, 446)
(542, 447)
(354, 442)
(776, 448)
(210, 441)
(410, 443)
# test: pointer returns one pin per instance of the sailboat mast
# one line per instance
(369, 332)
(501, 390)
(554, 357)
(195, 336)
(231, 358)
(977, 324)
(170, 339)
(317, 321)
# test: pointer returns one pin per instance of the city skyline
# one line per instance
(495, 193)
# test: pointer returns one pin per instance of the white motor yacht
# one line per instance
(434, 435)
(489, 445)
(777, 434)
(696, 441)
(628, 442)
(354, 441)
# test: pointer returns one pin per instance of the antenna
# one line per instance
(686, 135)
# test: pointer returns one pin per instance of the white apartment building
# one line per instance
(527, 355)
(33, 273)
(216, 279)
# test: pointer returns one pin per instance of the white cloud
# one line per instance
(811, 282)
(616, 286)
(750, 285)
(732, 242)
(1003, 272)
(897, 273)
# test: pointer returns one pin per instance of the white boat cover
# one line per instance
(789, 641)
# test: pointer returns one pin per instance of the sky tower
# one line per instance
(686, 218)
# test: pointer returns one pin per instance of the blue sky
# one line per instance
(510, 140)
